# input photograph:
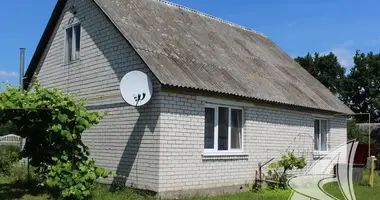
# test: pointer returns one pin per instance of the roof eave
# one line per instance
(348, 112)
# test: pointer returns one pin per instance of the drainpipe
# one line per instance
(22, 63)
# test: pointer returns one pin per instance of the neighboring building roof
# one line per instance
(188, 49)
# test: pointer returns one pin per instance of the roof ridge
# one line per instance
(209, 16)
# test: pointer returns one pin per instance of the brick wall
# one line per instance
(126, 140)
(159, 146)
(267, 133)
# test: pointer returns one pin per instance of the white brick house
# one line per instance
(225, 97)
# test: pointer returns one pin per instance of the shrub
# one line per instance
(74, 182)
(354, 132)
(9, 154)
(19, 173)
(52, 123)
(278, 173)
(276, 179)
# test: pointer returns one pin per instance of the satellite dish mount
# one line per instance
(139, 98)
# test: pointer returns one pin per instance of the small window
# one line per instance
(320, 135)
(223, 129)
(72, 49)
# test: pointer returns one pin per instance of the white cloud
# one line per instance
(8, 74)
(345, 57)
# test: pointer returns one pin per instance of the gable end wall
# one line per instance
(127, 140)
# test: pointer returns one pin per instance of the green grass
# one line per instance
(263, 194)
(362, 190)
(101, 193)
(11, 189)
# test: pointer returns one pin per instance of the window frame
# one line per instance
(73, 56)
(318, 151)
(216, 130)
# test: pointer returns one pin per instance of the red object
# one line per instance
(361, 154)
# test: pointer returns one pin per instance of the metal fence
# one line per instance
(12, 139)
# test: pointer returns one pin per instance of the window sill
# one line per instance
(224, 156)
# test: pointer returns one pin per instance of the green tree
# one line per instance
(354, 132)
(52, 123)
(325, 68)
(361, 89)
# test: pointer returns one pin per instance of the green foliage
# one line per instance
(276, 179)
(19, 173)
(74, 182)
(361, 88)
(326, 69)
(102, 192)
(51, 121)
(356, 133)
(279, 169)
(289, 162)
(9, 154)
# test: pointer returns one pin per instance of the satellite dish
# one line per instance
(136, 88)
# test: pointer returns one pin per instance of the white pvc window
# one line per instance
(320, 135)
(223, 129)
(72, 50)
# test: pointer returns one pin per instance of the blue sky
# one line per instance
(297, 26)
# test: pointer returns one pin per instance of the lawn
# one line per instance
(362, 191)
(10, 189)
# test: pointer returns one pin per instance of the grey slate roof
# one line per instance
(189, 49)
(186, 48)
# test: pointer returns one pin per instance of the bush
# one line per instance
(278, 174)
(19, 172)
(9, 154)
(354, 132)
(74, 182)
(52, 123)
(276, 179)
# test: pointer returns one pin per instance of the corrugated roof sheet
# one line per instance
(189, 49)
(186, 48)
